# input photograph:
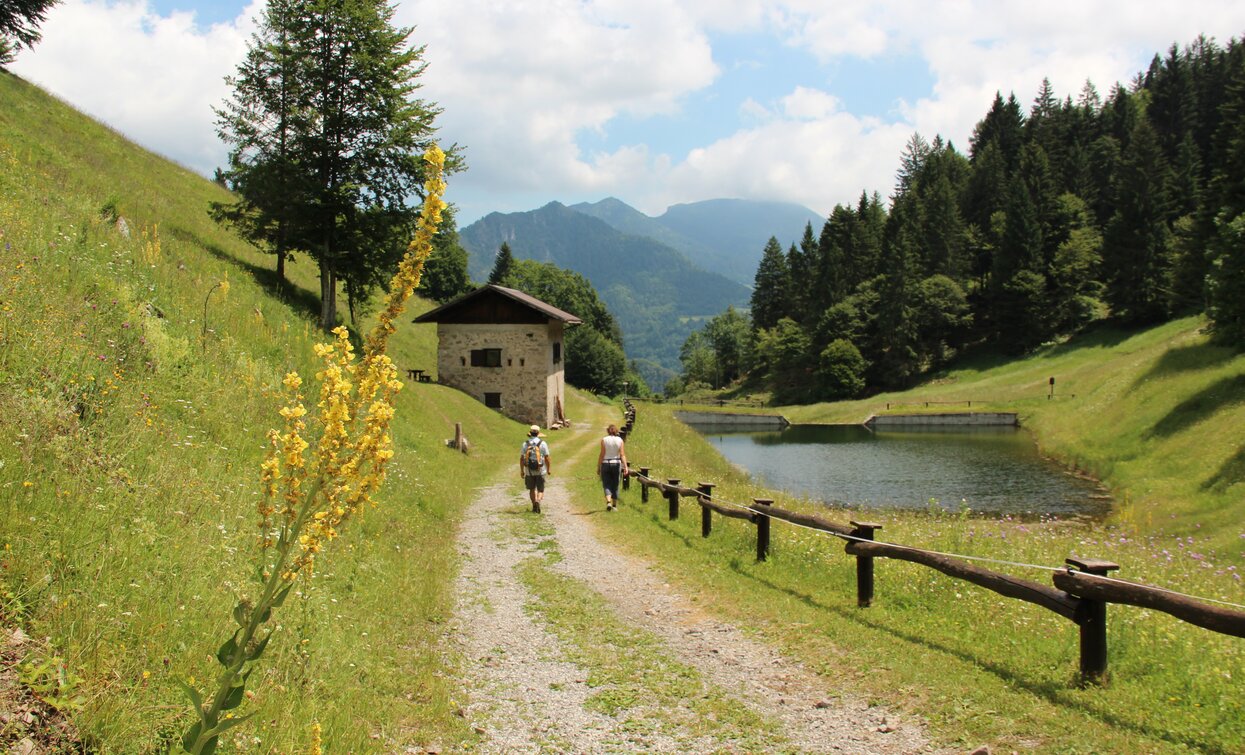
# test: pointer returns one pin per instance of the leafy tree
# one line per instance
(729, 336)
(700, 364)
(19, 25)
(502, 264)
(943, 319)
(841, 371)
(786, 351)
(567, 290)
(1073, 285)
(772, 287)
(595, 360)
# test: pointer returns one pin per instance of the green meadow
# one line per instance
(141, 366)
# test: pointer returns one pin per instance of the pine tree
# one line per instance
(258, 123)
(1226, 278)
(1136, 246)
(502, 265)
(771, 287)
(19, 25)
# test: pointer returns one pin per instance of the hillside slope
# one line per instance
(140, 368)
(655, 292)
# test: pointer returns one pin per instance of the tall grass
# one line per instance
(131, 432)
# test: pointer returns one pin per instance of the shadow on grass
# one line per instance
(1232, 472)
(1102, 335)
(1200, 406)
(302, 301)
(1054, 694)
(1194, 356)
(666, 528)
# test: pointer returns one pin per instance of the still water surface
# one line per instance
(993, 470)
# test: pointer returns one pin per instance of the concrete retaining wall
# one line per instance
(996, 419)
(726, 419)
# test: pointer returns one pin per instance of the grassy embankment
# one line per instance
(1159, 415)
(130, 449)
(135, 394)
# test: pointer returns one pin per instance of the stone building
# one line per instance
(505, 348)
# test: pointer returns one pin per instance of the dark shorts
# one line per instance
(535, 482)
(611, 475)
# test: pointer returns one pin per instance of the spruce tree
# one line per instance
(502, 265)
(258, 122)
(1226, 278)
(19, 24)
(1136, 246)
(771, 287)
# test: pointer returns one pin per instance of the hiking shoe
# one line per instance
(536, 507)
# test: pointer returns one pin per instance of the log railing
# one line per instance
(1080, 592)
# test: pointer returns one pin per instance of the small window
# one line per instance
(557, 352)
(486, 357)
(492, 400)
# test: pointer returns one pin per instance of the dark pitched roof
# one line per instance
(531, 302)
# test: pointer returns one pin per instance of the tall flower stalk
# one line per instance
(308, 494)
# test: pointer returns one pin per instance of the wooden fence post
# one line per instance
(864, 564)
(706, 514)
(762, 521)
(643, 487)
(1091, 615)
(672, 497)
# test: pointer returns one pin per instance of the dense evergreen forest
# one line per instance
(1130, 207)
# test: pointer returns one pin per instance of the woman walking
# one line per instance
(612, 465)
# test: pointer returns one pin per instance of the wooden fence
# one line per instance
(1080, 593)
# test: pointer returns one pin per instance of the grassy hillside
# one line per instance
(135, 393)
(1159, 415)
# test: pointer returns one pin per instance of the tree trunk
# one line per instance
(328, 298)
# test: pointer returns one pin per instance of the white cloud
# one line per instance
(522, 83)
(153, 78)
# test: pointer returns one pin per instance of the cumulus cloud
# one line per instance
(525, 85)
(154, 78)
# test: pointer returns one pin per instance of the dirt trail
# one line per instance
(526, 697)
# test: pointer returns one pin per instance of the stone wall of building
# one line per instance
(528, 382)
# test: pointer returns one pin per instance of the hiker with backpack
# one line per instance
(534, 465)
(612, 465)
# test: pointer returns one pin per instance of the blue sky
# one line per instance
(655, 102)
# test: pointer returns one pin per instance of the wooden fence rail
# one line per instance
(1080, 593)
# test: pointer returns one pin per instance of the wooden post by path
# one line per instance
(643, 487)
(1091, 615)
(762, 520)
(672, 497)
(706, 514)
(864, 565)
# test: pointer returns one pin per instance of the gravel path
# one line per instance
(525, 697)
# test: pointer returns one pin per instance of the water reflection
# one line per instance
(990, 469)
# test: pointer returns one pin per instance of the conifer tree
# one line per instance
(1226, 278)
(771, 287)
(19, 25)
(1136, 246)
(502, 265)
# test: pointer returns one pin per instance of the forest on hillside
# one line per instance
(1129, 208)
